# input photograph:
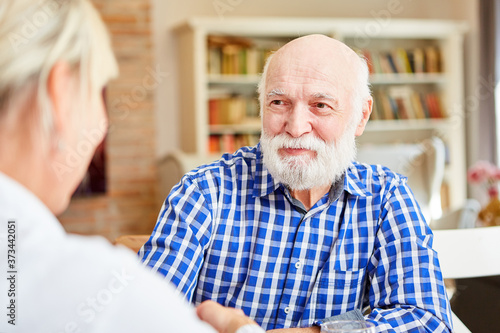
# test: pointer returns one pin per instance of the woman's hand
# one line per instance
(223, 319)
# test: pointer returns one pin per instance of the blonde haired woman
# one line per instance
(55, 60)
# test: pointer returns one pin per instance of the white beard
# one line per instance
(304, 172)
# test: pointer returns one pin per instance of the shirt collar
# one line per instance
(264, 183)
(18, 203)
(353, 183)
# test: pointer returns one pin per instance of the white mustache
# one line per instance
(309, 142)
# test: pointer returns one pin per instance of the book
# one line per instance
(394, 107)
(417, 106)
(434, 105)
(402, 61)
(214, 60)
(391, 63)
(228, 143)
(213, 112)
(214, 144)
(402, 96)
(403, 112)
(403, 102)
(431, 105)
(425, 107)
(377, 67)
(252, 108)
(231, 109)
(387, 112)
(418, 61)
(439, 102)
(252, 62)
(432, 60)
(235, 56)
(230, 59)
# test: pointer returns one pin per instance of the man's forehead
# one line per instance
(319, 68)
(322, 71)
(305, 85)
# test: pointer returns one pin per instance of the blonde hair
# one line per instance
(34, 36)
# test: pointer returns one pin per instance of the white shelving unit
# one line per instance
(196, 83)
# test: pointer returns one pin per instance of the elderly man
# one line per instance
(293, 231)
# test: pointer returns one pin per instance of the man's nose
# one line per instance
(299, 121)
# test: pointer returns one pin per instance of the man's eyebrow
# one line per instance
(335, 101)
(276, 92)
(320, 95)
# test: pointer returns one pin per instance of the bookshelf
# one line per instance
(416, 75)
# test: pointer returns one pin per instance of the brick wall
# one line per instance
(130, 205)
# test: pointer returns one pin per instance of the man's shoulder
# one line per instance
(374, 175)
(242, 161)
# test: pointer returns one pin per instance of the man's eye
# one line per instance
(277, 102)
(321, 105)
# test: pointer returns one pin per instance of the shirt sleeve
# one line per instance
(406, 290)
(180, 237)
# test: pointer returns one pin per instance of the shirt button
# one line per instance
(287, 309)
(298, 264)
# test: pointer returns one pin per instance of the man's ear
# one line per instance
(367, 111)
(59, 89)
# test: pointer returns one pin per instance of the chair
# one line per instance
(133, 242)
(466, 253)
(464, 217)
(423, 163)
(172, 167)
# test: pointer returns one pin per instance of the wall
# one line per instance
(129, 206)
(168, 14)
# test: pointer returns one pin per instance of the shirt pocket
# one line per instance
(338, 291)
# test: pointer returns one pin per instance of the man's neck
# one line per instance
(311, 196)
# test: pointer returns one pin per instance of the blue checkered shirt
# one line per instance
(229, 232)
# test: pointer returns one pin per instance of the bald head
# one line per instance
(319, 51)
(326, 58)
